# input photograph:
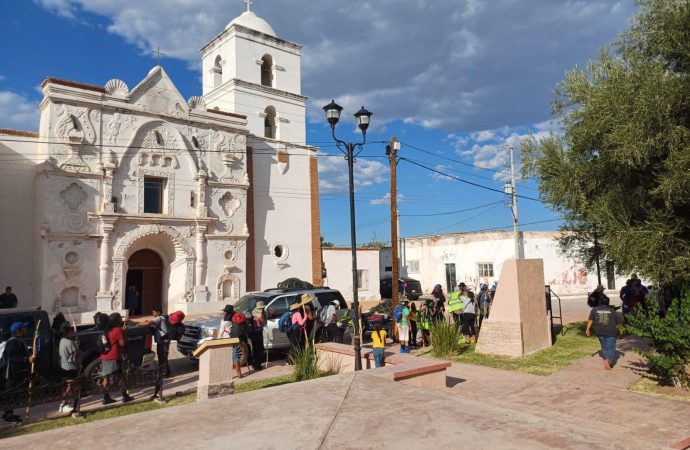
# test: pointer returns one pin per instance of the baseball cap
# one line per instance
(16, 326)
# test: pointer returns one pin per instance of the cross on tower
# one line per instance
(249, 4)
(158, 54)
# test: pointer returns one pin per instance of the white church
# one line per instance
(194, 202)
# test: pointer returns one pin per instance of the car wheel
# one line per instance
(92, 373)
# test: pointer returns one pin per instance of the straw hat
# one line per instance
(295, 306)
(258, 309)
(307, 298)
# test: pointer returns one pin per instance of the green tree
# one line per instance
(621, 167)
(622, 163)
(325, 243)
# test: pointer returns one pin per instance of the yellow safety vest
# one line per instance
(455, 303)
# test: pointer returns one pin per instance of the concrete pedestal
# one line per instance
(518, 323)
(215, 368)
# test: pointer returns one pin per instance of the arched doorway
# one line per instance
(145, 271)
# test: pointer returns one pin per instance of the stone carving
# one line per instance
(229, 155)
(76, 221)
(178, 111)
(95, 117)
(197, 102)
(170, 188)
(234, 280)
(112, 128)
(74, 129)
(116, 88)
(159, 148)
(183, 251)
(229, 204)
(73, 196)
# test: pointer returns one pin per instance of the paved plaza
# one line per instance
(580, 407)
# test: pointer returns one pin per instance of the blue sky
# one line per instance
(456, 81)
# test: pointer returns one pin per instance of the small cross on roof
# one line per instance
(249, 4)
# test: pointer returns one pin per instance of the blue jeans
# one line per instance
(608, 348)
(378, 357)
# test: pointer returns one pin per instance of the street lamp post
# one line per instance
(362, 116)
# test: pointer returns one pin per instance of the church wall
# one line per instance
(283, 218)
(17, 171)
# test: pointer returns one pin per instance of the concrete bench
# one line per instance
(407, 369)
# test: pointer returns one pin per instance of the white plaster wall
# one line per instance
(17, 172)
(281, 215)
(466, 251)
(338, 262)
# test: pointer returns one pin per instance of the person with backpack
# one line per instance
(68, 352)
(330, 319)
(15, 358)
(298, 320)
(162, 335)
(401, 316)
(112, 345)
(378, 338)
(233, 326)
(425, 321)
(484, 303)
(604, 319)
(256, 335)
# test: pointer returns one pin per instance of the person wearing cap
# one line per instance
(484, 303)
(18, 359)
(335, 334)
(256, 334)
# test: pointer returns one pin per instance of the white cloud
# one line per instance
(17, 111)
(463, 65)
(386, 199)
(333, 177)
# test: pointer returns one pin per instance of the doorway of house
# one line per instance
(146, 273)
(450, 277)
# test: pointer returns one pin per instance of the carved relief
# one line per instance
(197, 102)
(235, 286)
(74, 129)
(182, 249)
(73, 196)
(159, 148)
(112, 128)
(229, 204)
(178, 111)
(116, 88)
(229, 156)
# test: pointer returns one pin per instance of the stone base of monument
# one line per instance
(518, 323)
(215, 368)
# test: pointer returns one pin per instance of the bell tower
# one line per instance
(248, 70)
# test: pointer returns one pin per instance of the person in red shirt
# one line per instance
(110, 362)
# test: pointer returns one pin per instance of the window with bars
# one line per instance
(485, 269)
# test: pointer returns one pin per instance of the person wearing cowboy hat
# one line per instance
(256, 334)
(298, 321)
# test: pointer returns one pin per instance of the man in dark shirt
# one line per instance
(8, 299)
(18, 359)
(605, 320)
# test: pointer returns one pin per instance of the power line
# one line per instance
(451, 212)
(489, 229)
(465, 181)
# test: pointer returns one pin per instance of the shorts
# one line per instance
(403, 332)
(235, 353)
(108, 367)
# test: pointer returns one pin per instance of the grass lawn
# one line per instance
(649, 386)
(569, 348)
(134, 408)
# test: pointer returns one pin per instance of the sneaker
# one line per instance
(66, 409)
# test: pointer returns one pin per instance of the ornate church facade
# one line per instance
(194, 202)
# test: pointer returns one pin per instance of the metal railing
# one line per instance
(549, 307)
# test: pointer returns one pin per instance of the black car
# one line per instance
(411, 287)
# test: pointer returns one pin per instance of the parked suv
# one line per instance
(277, 302)
(411, 287)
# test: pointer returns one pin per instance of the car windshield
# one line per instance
(248, 302)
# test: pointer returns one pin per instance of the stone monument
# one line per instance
(215, 368)
(518, 322)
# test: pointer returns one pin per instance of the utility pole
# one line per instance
(392, 152)
(509, 188)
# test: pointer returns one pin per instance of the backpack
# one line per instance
(176, 324)
(285, 322)
(103, 343)
(397, 314)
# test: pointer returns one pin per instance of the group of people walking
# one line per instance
(247, 327)
(308, 321)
